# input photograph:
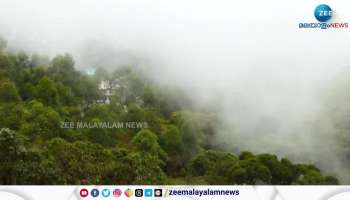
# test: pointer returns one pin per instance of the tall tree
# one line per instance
(11, 148)
(8, 92)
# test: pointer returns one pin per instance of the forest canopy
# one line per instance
(38, 95)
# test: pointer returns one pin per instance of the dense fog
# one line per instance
(248, 61)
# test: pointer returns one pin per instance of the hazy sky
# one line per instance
(211, 40)
(249, 56)
(194, 42)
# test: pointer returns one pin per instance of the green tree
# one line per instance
(147, 169)
(100, 135)
(11, 115)
(311, 175)
(149, 97)
(8, 92)
(147, 142)
(122, 171)
(46, 92)
(255, 171)
(11, 148)
(41, 122)
(22, 60)
(36, 168)
(172, 142)
(136, 113)
(283, 173)
(216, 166)
(148, 159)
(62, 70)
(197, 128)
(80, 162)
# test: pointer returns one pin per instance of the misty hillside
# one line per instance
(60, 125)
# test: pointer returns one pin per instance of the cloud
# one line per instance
(248, 59)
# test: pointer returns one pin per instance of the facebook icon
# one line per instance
(95, 192)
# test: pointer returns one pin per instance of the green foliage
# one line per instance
(148, 159)
(62, 66)
(46, 91)
(79, 162)
(147, 142)
(11, 115)
(136, 113)
(100, 136)
(217, 167)
(146, 169)
(41, 122)
(38, 94)
(35, 168)
(171, 142)
(8, 92)
(225, 168)
(255, 171)
(11, 144)
(197, 130)
(283, 172)
(311, 175)
(120, 171)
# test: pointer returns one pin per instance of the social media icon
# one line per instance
(138, 193)
(158, 192)
(117, 192)
(128, 192)
(84, 192)
(95, 192)
(148, 192)
(106, 192)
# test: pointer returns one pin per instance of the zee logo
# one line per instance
(323, 13)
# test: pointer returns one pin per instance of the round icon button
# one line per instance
(105, 192)
(117, 192)
(84, 192)
(323, 13)
(95, 192)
